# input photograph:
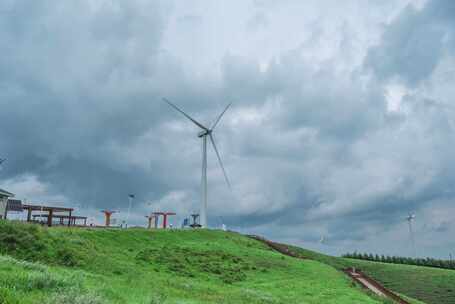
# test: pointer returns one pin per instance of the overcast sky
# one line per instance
(342, 122)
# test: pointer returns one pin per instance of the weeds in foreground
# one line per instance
(73, 296)
(159, 298)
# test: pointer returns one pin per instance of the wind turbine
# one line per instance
(223, 226)
(203, 134)
(322, 240)
(410, 218)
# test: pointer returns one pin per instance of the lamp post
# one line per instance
(130, 198)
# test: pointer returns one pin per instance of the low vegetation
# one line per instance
(429, 262)
(427, 284)
(64, 265)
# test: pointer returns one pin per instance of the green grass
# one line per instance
(24, 282)
(96, 266)
(427, 284)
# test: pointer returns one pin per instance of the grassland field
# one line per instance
(97, 266)
(429, 285)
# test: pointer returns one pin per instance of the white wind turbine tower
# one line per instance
(322, 240)
(410, 218)
(204, 133)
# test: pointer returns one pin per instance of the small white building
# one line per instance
(4, 195)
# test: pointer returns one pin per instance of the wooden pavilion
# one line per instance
(71, 220)
(50, 213)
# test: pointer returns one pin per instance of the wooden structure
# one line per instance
(4, 195)
(50, 212)
(150, 218)
(14, 205)
(107, 215)
(165, 215)
(71, 220)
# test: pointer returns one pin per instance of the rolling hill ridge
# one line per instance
(53, 265)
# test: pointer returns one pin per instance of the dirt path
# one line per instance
(365, 282)
(355, 274)
(373, 285)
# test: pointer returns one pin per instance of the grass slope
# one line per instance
(430, 285)
(93, 266)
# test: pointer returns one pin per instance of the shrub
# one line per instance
(67, 257)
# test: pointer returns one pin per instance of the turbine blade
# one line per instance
(186, 115)
(219, 160)
(219, 117)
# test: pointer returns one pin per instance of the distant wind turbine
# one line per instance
(223, 226)
(2, 160)
(410, 218)
(204, 133)
(322, 240)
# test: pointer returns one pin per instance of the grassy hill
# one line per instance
(430, 285)
(94, 266)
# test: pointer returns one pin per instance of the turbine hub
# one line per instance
(204, 133)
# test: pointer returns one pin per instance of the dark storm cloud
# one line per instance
(74, 89)
(414, 43)
(310, 144)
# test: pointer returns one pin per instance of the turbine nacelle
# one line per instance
(410, 218)
(204, 133)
